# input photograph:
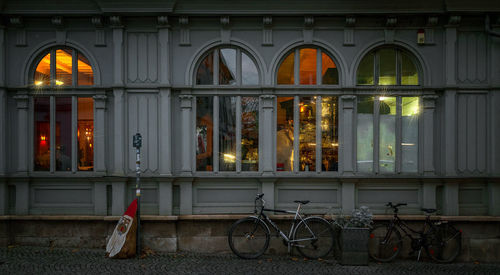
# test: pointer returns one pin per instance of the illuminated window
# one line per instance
(307, 66)
(227, 66)
(387, 66)
(63, 67)
(387, 134)
(232, 142)
(63, 142)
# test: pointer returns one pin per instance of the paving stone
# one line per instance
(43, 260)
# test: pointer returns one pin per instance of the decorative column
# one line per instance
(3, 197)
(494, 197)
(348, 195)
(429, 194)
(100, 199)
(3, 106)
(267, 134)
(165, 142)
(346, 135)
(450, 202)
(22, 101)
(165, 196)
(119, 141)
(186, 196)
(119, 193)
(186, 134)
(99, 133)
(22, 196)
(428, 162)
(268, 191)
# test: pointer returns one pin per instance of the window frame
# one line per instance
(296, 135)
(74, 69)
(239, 69)
(215, 135)
(376, 67)
(296, 67)
(398, 162)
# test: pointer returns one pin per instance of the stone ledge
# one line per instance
(232, 217)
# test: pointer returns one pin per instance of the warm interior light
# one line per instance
(382, 98)
(302, 108)
(408, 144)
(38, 83)
(229, 158)
(59, 83)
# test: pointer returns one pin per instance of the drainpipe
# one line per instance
(488, 28)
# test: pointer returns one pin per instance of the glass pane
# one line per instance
(42, 134)
(387, 148)
(63, 133)
(329, 71)
(365, 134)
(205, 73)
(42, 72)
(249, 73)
(227, 133)
(329, 134)
(64, 67)
(307, 137)
(85, 134)
(409, 73)
(366, 69)
(227, 66)
(285, 72)
(249, 133)
(409, 139)
(284, 134)
(308, 58)
(387, 67)
(85, 72)
(204, 133)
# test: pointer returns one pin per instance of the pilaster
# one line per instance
(119, 193)
(22, 101)
(3, 131)
(99, 133)
(449, 138)
(348, 196)
(22, 197)
(268, 191)
(165, 197)
(165, 142)
(186, 196)
(266, 129)
(429, 106)
(450, 200)
(119, 132)
(429, 194)
(494, 197)
(100, 199)
(3, 197)
(347, 136)
(451, 49)
(186, 133)
(164, 50)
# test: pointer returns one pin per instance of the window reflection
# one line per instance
(409, 138)
(85, 134)
(284, 135)
(42, 72)
(365, 134)
(85, 72)
(249, 133)
(366, 70)
(249, 73)
(307, 136)
(329, 134)
(205, 73)
(64, 67)
(227, 66)
(227, 133)
(387, 67)
(63, 133)
(204, 133)
(409, 73)
(42, 134)
(329, 73)
(307, 71)
(286, 70)
(387, 136)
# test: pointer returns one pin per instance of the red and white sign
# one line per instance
(122, 243)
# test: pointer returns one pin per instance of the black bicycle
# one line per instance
(312, 236)
(441, 240)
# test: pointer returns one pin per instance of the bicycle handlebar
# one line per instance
(395, 206)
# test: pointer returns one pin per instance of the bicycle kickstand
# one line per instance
(419, 253)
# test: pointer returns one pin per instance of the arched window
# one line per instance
(307, 66)
(63, 67)
(227, 66)
(388, 66)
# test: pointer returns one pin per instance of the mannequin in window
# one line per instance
(284, 147)
(204, 136)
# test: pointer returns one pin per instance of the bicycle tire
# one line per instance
(384, 243)
(316, 248)
(249, 238)
(444, 243)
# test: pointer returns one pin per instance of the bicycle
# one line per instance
(442, 241)
(249, 237)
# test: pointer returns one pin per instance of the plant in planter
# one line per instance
(354, 235)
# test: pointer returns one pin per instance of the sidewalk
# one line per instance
(43, 260)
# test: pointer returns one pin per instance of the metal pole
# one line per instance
(137, 142)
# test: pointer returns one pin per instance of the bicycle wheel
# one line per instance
(314, 238)
(249, 238)
(384, 243)
(444, 243)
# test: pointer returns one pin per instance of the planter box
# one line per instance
(354, 246)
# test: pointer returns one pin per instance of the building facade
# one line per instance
(344, 104)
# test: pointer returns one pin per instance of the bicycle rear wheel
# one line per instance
(249, 238)
(314, 238)
(444, 243)
(384, 243)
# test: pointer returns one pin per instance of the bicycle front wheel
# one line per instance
(249, 238)
(444, 243)
(384, 243)
(314, 238)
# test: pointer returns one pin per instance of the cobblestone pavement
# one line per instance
(43, 260)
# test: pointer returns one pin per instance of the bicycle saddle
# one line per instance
(302, 202)
(428, 210)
